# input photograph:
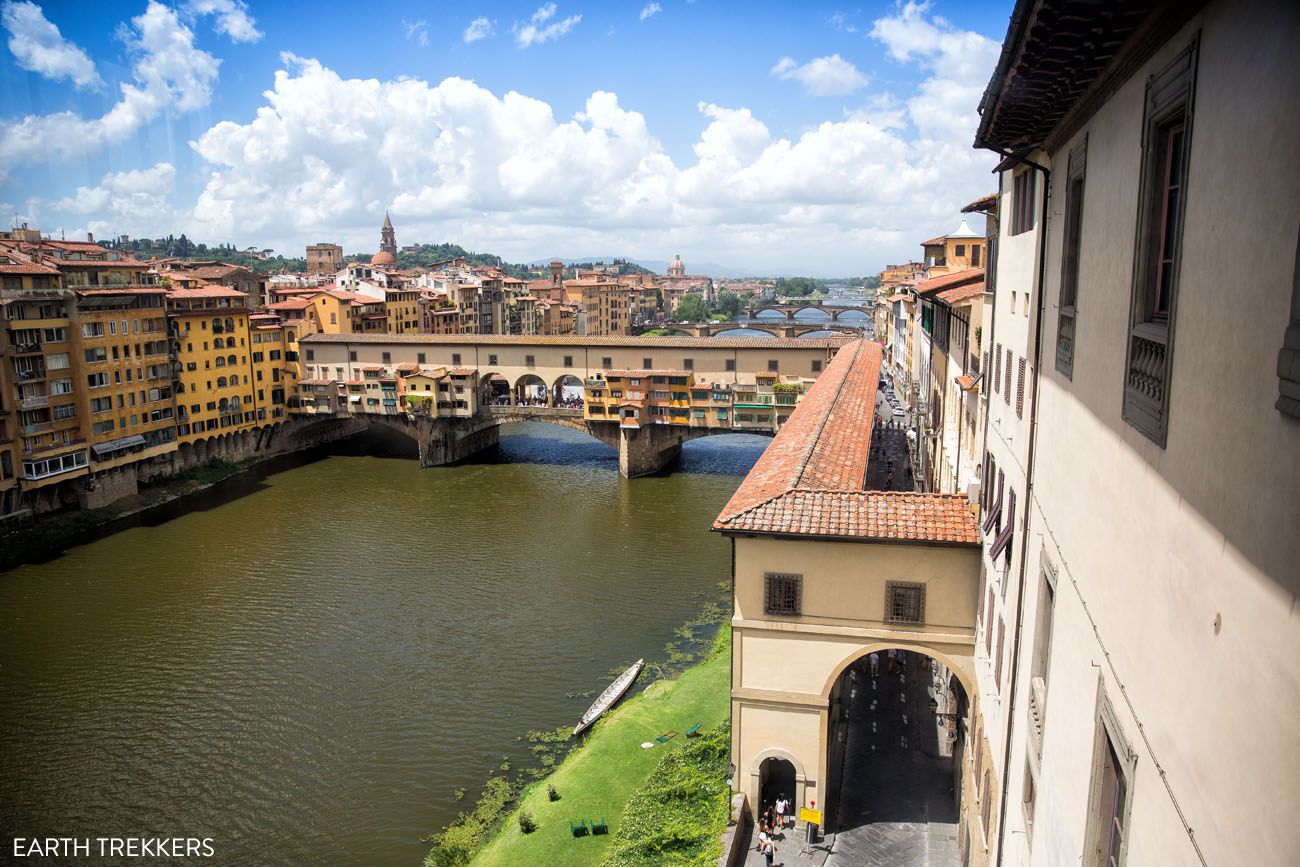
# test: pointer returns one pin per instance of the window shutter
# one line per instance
(997, 369)
(1006, 393)
(1067, 316)
(1020, 391)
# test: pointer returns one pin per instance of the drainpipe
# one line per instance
(1039, 308)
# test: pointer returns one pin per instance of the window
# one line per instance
(1167, 130)
(311, 355)
(1029, 796)
(773, 365)
(961, 250)
(1002, 544)
(688, 364)
(1288, 359)
(1022, 201)
(783, 594)
(387, 357)
(492, 359)
(817, 365)
(419, 358)
(530, 361)
(1066, 318)
(1006, 390)
(97, 380)
(647, 363)
(568, 361)
(1020, 390)
(994, 517)
(904, 602)
(997, 369)
(352, 355)
(1042, 654)
(1108, 807)
(455, 358)
(730, 365)
(974, 255)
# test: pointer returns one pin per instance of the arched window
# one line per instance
(230, 325)
(219, 343)
(221, 383)
(216, 326)
(221, 362)
(230, 360)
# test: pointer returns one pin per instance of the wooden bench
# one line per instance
(579, 830)
(694, 731)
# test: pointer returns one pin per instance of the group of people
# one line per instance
(561, 403)
(772, 821)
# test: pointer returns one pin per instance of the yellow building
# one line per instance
(215, 376)
(607, 307)
(962, 249)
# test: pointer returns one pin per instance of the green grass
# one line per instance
(598, 779)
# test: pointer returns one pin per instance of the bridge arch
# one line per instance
(567, 391)
(813, 312)
(750, 331)
(493, 390)
(530, 390)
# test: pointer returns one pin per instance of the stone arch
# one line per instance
(563, 381)
(746, 332)
(958, 668)
(776, 754)
(492, 388)
(530, 388)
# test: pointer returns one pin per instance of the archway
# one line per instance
(812, 314)
(494, 390)
(745, 332)
(894, 752)
(530, 390)
(853, 316)
(567, 392)
(769, 313)
(776, 779)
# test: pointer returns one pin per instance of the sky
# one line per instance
(801, 138)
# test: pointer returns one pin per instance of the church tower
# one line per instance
(387, 254)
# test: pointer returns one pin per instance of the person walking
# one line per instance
(874, 659)
(782, 804)
(769, 852)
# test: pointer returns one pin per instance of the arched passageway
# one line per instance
(530, 390)
(894, 759)
(494, 390)
(776, 779)
(567, 392)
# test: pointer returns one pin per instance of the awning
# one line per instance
(356, 398)
(117, 445)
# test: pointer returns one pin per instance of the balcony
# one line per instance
(39, 427)
(27, 347)
(35, 402)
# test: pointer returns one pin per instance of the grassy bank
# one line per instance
(598, 779)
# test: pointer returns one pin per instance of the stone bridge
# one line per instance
(790, 310)
(765, 327)
(441, 440)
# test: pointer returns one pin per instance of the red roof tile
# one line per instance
(961, 293)
(935, 285)
(809, 481)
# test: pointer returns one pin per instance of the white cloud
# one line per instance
(650, 10)
(822, 76)
(479, 28)
(38, 46)
(537, 30)
(842, 21)
(169, 72)
(132, 202)
(502, 172)
(232, 18)
(417, 31)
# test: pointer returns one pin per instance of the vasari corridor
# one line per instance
(663, 433)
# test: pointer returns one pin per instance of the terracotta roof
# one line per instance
(647, 373)
(15, 263)
(901, 297)
(983, 204)
(935, 285)
(212, 291)
(934, 242)
(292, 304)
(961, 293)
(966, 382)
(407, 367)
(124, 290)
(809, 481)
(462, 371)
(575, 340)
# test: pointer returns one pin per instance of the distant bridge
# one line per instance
(789, 311)
(765, 328)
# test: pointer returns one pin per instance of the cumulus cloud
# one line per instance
(136, 195)
(537, 30)
(169, 72)
(502, 172)
(232, 18)
(650, 10)
(479, 28)
(822, 76)
(39, 47)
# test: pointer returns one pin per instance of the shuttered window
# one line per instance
(1067, 318)
(1006, 393)
(997, 369)
(1020, 390)
(783, 594)
(1167, 129)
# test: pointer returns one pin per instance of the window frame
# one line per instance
(1148, 368)
(892, 588)
(1109, 735)
(1024, 189)
(771, 588)
(1067, 314)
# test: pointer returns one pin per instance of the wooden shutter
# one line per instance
(997, 369)
(1006, 393)
(1020, 391)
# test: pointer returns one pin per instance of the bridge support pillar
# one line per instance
(444, 442)
(648, 450)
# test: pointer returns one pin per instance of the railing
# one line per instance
(35, 402)
(39, 427)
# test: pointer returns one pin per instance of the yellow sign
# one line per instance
(813, 816)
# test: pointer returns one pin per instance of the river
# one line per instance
(306, 662)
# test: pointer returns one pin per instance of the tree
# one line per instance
(728, 303)
(691, 309)
(795, 286)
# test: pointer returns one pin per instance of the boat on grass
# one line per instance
(609, 697)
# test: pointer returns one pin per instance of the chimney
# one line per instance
(90, 238)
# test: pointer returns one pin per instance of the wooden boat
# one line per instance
(609, 697)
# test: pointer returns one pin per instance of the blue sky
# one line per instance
(761, 135)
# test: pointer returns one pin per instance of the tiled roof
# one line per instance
(961, 293)
(966, 382)
(210, 291)
(810, 480)
(935, 285)
(574, 340)
(646, 373)
(983, 204)
(124, 290)
(934, 242)
(292, 304)
(896, 516)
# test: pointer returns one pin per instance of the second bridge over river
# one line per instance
(644, 396)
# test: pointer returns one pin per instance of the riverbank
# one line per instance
(598, 779)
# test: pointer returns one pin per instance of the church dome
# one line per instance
(383, 257)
